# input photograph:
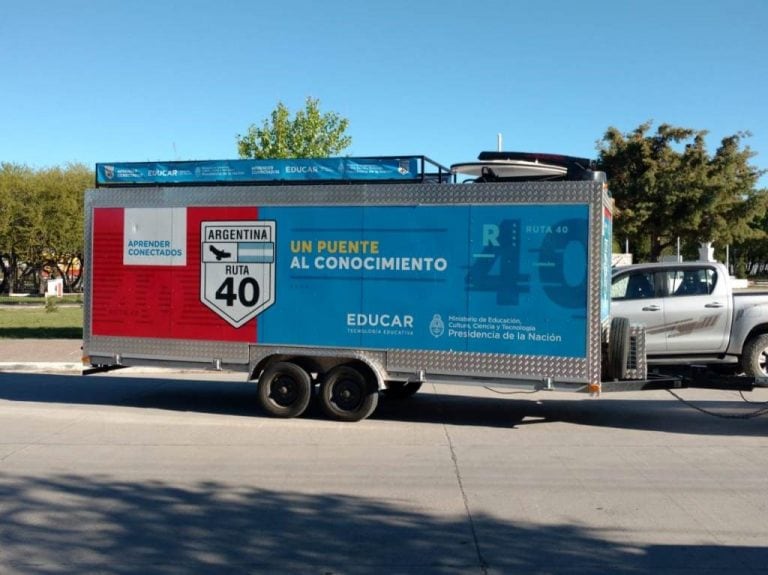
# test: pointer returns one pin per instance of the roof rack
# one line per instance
(525, 166)
(368, 169)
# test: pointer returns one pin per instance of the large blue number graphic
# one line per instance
(497, 268)
(501, 244)
(553, 265)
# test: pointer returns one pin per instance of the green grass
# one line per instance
(22, 322)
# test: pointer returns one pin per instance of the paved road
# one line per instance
(115, 474)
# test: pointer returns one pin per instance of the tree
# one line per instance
(750, 257)
(310, 134)
(16, 221)
(61, 194)
(41, 225)
(667, 186)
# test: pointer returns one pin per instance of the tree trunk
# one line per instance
(656, 248)
(14, 272)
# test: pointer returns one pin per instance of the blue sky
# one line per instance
(103, 81)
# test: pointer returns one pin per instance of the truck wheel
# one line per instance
(754, 358)
(401, 389)
(347, 394)
(285, 389)
(618, 348)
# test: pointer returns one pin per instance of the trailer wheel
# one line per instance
(618, 348)
(401, 389)
(754, 359)
(347, 394)
(285, 389)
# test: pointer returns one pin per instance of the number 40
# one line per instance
(247, 291)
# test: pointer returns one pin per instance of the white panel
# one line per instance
(155, 237)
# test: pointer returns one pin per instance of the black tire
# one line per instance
(285, 389)
(347, 394)
(754, 358)
(401, 389)
(618, 348)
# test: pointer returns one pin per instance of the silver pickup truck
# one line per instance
(692, 315)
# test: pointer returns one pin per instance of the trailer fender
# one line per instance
(319, 365)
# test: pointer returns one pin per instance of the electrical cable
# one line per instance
(741, 393)
(757, 413)
(511, 392)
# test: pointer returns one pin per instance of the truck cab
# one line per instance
(685, 307)
(692, 315)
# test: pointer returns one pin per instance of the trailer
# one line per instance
(344, 278)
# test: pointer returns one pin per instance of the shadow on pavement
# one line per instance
(74, 333)
(79, 524)
(240, 399)
(667, 415)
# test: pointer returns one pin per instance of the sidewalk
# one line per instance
(63, 356)
(41, 355)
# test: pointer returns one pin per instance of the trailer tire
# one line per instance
(401, 389)
(285, 389)
(618, 348)
(754, 359)
(347, 394)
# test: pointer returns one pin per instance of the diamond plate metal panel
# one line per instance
(177, 350)
(638, 365)
(487, 365)
(594, 335)
(366, 194)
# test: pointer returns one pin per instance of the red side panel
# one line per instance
(156, 301)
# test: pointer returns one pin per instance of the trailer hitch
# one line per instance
(700, 376)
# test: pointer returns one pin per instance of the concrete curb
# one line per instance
(40, 367)
(53, 367)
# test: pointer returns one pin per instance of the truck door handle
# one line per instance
(651, 308)
(714, 304)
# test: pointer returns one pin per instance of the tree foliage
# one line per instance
(309, 134)
(41, 225)
(667, 186)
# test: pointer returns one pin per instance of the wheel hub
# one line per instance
(347, 395)
(284, 391)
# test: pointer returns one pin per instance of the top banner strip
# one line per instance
(406, 168)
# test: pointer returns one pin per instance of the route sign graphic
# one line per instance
(237, 277)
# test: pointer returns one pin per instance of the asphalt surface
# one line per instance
(116, 473)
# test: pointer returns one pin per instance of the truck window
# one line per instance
(637, 285)
(691, 281)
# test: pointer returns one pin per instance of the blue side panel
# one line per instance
(494, 279)
(254, 171)
(605, 280)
